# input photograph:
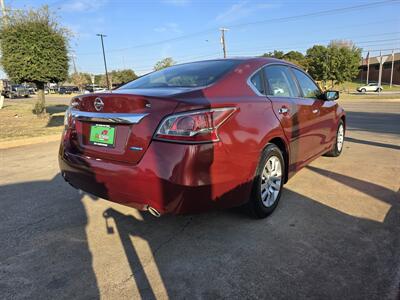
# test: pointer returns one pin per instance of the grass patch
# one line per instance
(345, 96)
(17, 120)
(350, 87)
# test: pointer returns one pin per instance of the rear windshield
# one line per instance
(195, 74)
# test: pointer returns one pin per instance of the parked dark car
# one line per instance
(202, 135)
(64, 90)
(16, 91)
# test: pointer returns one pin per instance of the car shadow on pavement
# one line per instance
(371, 143)
(55, 116)
(377, 191)
(305, 249)
(44, 248)
(373, 122)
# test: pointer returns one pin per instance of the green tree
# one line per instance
(317, 61)
(34, 49)
(276, 54)
(123, 76)
(337, 63)
(98, 79)
(103, 80)
(80, 79)
(165, 63)
(343, 62)
(296, 58)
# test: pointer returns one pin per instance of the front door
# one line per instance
(320, 115)
(294, 114)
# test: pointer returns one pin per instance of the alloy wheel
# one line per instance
(340, 138)
(271, 180)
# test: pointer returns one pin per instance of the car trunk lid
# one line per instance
(119, 126)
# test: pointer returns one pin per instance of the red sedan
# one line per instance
(201, 135)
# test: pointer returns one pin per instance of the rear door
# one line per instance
(322, 117)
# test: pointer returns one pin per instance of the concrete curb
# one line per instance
(30, 141)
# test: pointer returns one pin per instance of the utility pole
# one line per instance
(367, 67)
(73, 61)
(3, 12)
(391, 72)
(104, 57)
(223, 40)
(4, 21)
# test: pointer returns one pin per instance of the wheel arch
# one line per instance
(283, 146)
(343, 118)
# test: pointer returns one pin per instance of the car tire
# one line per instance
(378, 90)
(337, 147)
(268, 183)
(363, 90)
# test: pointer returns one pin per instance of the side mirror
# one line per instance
(330, 95)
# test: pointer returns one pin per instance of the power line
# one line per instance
(344, 38)
(319, 13)
(274, 20)
(306, 44)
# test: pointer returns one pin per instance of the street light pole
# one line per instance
(391, 72)
(104, 57)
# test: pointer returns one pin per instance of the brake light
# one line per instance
(194, 127)
(69, 121)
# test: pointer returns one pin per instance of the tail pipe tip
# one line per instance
(153, 211)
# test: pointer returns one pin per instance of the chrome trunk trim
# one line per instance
(116, 118)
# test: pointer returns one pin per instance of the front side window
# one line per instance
(307, 86)
(280, 82)
(195, 74)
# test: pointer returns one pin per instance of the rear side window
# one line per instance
(195, 74)
(257, 82)
(307, 86)
(280, 82)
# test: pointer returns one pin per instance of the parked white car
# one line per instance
(371, 87)
(95, 90)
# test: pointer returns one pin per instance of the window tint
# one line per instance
(280, 82)
(257, 82)
(308, 87)
(186, 75)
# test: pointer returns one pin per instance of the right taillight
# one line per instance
(194, 127)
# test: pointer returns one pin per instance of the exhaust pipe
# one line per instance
(153, 211)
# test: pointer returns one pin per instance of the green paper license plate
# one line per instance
(102, 135)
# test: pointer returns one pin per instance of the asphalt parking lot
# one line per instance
(335, 233)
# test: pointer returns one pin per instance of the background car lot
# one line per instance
(336, 233)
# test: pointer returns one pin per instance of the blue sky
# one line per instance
(139, 33)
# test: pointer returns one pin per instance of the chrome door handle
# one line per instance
(315, 111)
(283, 110)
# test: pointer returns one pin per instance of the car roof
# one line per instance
(261, 60)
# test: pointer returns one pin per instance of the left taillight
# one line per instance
(69, 122)
(194, 127)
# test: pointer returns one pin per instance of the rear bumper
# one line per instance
(172, 178)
